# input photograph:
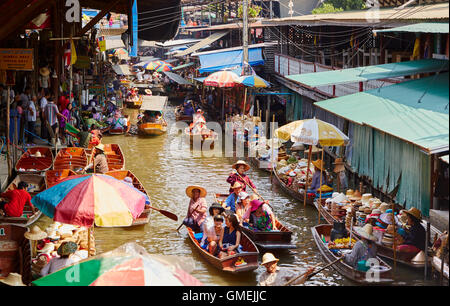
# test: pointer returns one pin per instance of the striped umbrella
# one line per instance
(128, 265)
(151, 65)
(164, 67)
(120, 51)
(87, 199)
(253, 81)
(224, 78)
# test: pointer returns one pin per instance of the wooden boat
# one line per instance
(290, 191)
(134, 104)
(280, 239)
(437, 264)
(15, 252)
(119, 131)
(260, 164)
(153, 104)
(249, 255)
(152, 129)
(70, 158)
(384, 271)
(114, 157)
(36, 184)
(144, 218)
(201, 139)
(30, 163)
(53, 177)
(182, 117)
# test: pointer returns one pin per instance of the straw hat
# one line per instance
(338, 165)
(415, 213)
(375, 202)
(383, 207)
(349, 193)
(13, 279)
(241, 162)
(356, 196)
(190, 189)
(268, 258)
(148, 92)
(366, 232)
(35, 234)
(100, 147)
(44, 71)
(367, 211)
(419, 258)
(38, 154)
(53, 235)
(236, 185)
(365, 198)
(340, 198)
(48, 248)
(318, 164)
(386, 218)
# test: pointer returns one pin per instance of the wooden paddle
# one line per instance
(166, 213)
(314, 273)
(251, 188)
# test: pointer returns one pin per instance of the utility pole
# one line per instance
(245, 35)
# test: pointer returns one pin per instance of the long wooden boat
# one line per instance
(30, 163)
(53, 177)
(36, 184)
(144, 218)
(260, 164)
(228, 264)
(384, 271)
(280, 239)
(195, 139)
(119, 131)
(297, 195)
(182, 117)
(152, 129)
(114, 157)
(15, 252)
(70, 158)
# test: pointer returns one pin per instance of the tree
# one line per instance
(326, 8)
(253, 11)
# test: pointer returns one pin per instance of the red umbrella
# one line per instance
(222, 79)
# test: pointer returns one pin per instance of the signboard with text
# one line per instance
(16, 59)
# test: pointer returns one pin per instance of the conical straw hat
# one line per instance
(35, 233)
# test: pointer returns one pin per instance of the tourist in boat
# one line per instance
(315, 183)
(278, 276)
(17, 199)
(65, 259)
(265, 207)
(414, 233)
(100, 162)
(243, 206)
(196, 213)
(238, 175)
(211, 238)
(233, 198)
(260, 219)
(364, 249)
(230, 239)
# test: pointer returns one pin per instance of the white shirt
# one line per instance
(32, 117)
(43, 103)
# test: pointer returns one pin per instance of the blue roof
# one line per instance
(218, 61)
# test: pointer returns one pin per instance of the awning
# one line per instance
(154, 103)
(444, 158)
(362, 74)
(176, 78)
(122, 69)
(200, 79)
(183, 66)
(425, 27)
(414, 111)
(202, 43)
(212, 62)
(178, 42)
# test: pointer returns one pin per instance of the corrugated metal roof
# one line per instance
(424, 27)
(154, 103)
(376, 72)
(371, 17)
(212, 38)
(122, 69)
(415, 111)
(177, 78)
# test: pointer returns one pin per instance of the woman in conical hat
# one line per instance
(318, 168)
(197, 208)
(238, 175)
(365, 248)
(414, 236)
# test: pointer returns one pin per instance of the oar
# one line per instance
(252, 188)
(166, 213)
(314, 273)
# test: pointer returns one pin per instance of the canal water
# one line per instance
(166, 174)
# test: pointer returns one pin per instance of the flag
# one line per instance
(416, 51)
(101, 43)
(73, 57)
(67, 55)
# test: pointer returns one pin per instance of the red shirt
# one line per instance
(234, 177)
(17, 200)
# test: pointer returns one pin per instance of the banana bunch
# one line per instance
(341, 243)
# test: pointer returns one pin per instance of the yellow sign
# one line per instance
(16, 59)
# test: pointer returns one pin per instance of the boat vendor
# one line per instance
(198, 115)
(196, 213)
(188, 109)
(414, 233)
(233, 198)
(65, 251)
(278, 276)
(260, 219)
(17, 199)
(315, 183)
(364, 249)
(238, 175)
(90, 121)
(100, 162)
(230, 238)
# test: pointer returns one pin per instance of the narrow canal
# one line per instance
(166, 176)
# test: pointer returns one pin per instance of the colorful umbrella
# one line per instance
(164, 67)
(128, 265)
(151, 65)
(253, 81)
(120, 51)
(85, 199)
(224, 78)
(315, 131)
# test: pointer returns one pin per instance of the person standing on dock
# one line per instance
(238, 175)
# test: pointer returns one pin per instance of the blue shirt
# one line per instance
(315, 184)
(189, 111)
(231, 201)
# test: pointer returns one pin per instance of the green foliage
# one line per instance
(326, 8)
(253, 11)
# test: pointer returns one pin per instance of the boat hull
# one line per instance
(70, 158)
(298, 196)
(30, 164)
(152, 129)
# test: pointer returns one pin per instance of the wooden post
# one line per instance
(320, 188)
(394, 246)
(426, 250)
(307, 176)
(89, 240)
(8, 128)
(272, 157)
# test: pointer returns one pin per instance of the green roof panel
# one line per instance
(425, 27)
(377, 72)
(415, 111)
